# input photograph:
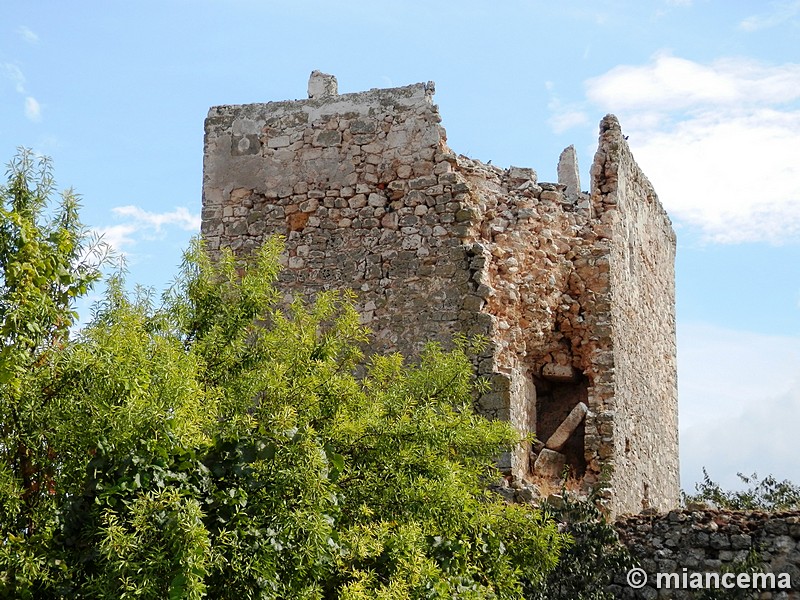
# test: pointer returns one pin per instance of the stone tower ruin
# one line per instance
(574, 290)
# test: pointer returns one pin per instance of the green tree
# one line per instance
(295, 479)
(214, 444)
(45, 265)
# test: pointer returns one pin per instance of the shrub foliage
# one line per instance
(216, 443)
(587, 567)
(768, 494)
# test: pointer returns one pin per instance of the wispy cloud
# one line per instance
(780, 13)
(33, 110)
(697, 129)
(14, 74)
(142, 225)
(179, 217)
(27, 34)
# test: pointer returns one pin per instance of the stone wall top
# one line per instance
(324, 105)
(692, 543)
(613, 157)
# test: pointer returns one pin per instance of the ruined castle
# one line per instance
(573, 290)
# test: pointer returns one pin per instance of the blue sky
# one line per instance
(707, 90)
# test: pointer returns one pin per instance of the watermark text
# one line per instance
(694, 580)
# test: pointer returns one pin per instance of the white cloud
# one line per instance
(670, 83)
(26, 34)
(32, 107)
(118, 237)
(180, 217)
(739, 404)
(563, 117)
(566, 119)
(780, 13)
(736, 177)
(14, 74)
(717, 140)
(33, 110)
(142, 225)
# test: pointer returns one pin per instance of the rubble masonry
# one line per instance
(575, 291)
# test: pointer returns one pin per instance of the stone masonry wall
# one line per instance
(526, 239)
(710, 541)
(369, 197)
(361, 189)
(642, 408)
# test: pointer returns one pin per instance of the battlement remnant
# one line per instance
(322, 85)
(574, 290)
(568, 173)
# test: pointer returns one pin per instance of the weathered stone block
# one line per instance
(390, 220)
(518, 175)
(567, 427)
(362, 126)
(568, 173)
(561, 373)
(549, 464)
(421, 183)
(327, 138)
(322, 85)
(551, 196)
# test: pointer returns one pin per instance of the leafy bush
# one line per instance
(216, 445)
(768, 494)
(588, 565)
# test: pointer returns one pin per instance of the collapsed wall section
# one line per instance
(543, 280)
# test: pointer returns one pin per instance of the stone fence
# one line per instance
(692, 544)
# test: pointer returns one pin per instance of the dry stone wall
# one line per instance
(692, 542)
(369, 197)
